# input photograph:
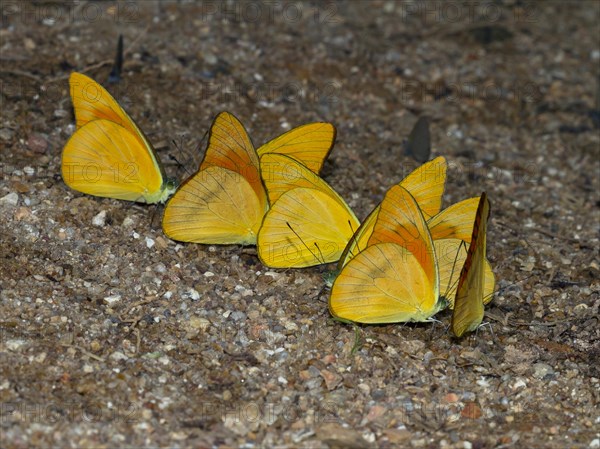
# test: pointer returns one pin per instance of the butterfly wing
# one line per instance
(305, 227)
(229, 147)
(92, 102)
(455, 222)
(215, 206)
(360, 239)
(308, 144)
(400, 220)
(451, 255)
(468, 305)
(425, 184)
(225, 201)
(308, 223)
(282, 173)
(105, 159)
(382, 284)
(395, 278)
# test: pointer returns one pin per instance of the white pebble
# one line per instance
(127, 222)
(193, 294)
(100, 219)
(519, 384)
(14, 345)
(209, 274)
(118, 355)
(149, 242)
(112, 299)
(11, 199)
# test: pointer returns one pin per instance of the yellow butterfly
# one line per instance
(225, 201)
(471, 291)
(450, 229)
(308, 223)
(108, 155)
(395, 278)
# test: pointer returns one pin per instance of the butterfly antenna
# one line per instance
(321, 259)
(434, 322)
(179, 164)
(352, 240)
(115, 74)
(186, 158)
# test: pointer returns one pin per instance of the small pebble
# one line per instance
(99, 219)
(192, 294)
(541, 370)
(14, 345)
(112, 299)
(29, 44)
(6, 134)
(118, 355)
(128, 222)
(10, 200)
(199, 323)
(23, 213)
(37, 143)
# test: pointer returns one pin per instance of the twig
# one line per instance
(84, 352)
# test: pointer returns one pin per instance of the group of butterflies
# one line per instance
(391, 268)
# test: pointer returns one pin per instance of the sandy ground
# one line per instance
(111, 335)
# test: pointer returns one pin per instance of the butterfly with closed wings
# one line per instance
(108, 155)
